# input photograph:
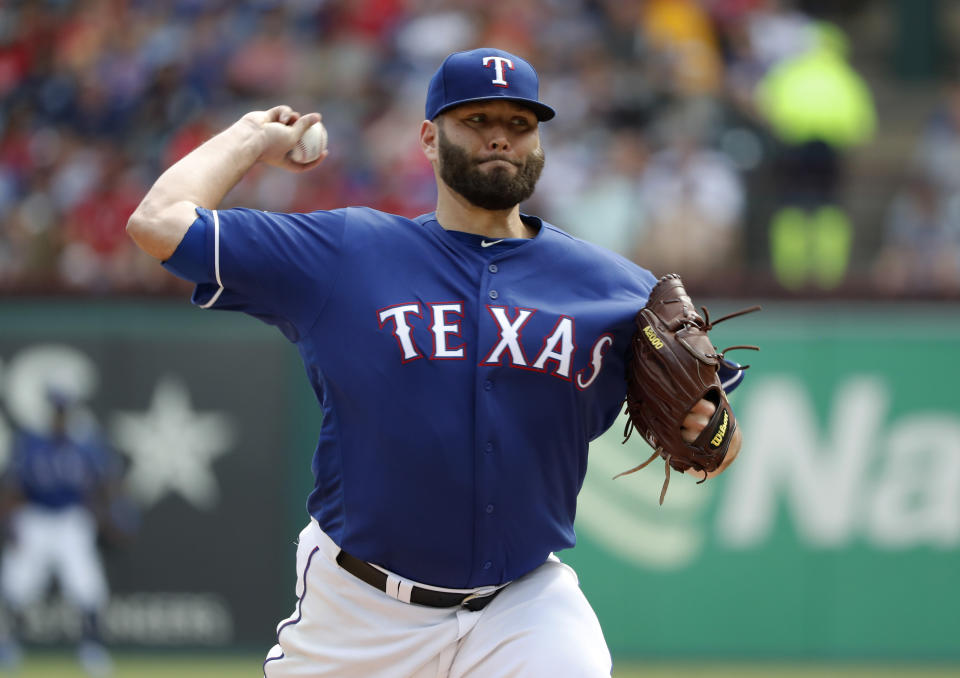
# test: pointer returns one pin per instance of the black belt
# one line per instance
(418, 595)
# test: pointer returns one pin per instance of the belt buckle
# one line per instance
(478, 595)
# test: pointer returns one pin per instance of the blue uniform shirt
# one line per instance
(460, 379)
(57, 471)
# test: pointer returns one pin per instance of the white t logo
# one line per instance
(498, 63)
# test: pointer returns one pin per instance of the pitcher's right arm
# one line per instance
(205, 175)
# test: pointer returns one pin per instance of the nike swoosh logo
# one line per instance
(485, 243)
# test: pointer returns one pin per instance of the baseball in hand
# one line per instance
(311, 144)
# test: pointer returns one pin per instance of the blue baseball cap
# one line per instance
(484, 74)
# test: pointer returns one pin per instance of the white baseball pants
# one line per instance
(60, 543)
(539, 625)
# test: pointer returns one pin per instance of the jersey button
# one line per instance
(493, 294)
(489, 448)
(487, 565)
(492, 268)
(489, 508)
(487, 385)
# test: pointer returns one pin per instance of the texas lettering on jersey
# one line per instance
(555, 356)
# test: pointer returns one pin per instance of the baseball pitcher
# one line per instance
(462, 361)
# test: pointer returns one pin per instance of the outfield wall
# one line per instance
(834, 536)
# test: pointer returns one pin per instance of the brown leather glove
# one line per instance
(672, 367)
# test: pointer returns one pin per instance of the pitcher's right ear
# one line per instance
(429, 140)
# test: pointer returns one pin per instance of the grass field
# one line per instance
(170, 666)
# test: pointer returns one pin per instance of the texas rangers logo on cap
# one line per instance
(498, 63)
(482, 75)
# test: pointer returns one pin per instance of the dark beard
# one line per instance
(497, 189)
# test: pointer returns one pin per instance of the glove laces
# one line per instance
(666, 482)
(721, 355)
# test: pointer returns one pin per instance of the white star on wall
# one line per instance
(172, 447)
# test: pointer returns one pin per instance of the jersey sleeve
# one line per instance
(13, 471)
(276, 267)
(101, 460)
(730, 376)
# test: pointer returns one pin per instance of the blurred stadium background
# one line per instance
(808, 151)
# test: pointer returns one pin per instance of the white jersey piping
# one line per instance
(216, 260)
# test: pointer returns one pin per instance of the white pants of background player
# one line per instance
(53, 543)
(540, 625)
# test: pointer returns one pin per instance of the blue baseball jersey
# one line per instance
(460, 378)
(57, 471)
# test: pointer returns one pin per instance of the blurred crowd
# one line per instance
(703, 136)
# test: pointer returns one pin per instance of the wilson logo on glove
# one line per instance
(674, 366)
(717, 439)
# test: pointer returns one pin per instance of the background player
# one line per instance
(54, 493)
(463, 360)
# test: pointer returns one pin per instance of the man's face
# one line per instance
(490, 153)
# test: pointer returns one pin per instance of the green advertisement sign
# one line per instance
(836, 534)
